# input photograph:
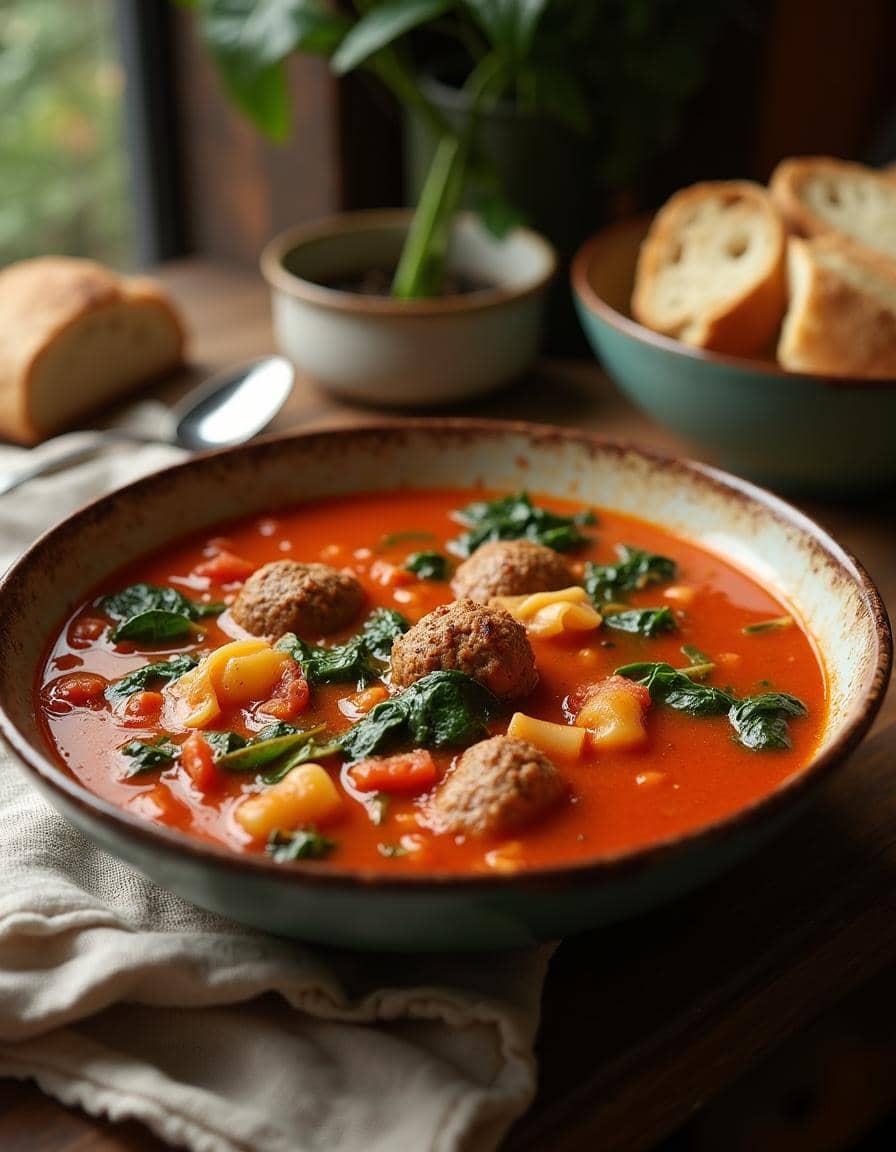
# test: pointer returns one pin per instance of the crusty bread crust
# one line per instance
(790, 184)
(42, 302)
(742, 320)
(842, 316)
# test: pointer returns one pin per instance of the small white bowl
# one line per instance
(415, 353)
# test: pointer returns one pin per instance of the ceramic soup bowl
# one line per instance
(755, 530)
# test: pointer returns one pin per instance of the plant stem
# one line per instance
(421, 268)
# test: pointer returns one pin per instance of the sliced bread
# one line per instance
(842, 315)
(817, 195)
(711, 270)
(75, 336)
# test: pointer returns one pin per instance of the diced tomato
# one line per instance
(410, 773)
(144, 707)
(589, 691)
(225, 568)
(80, 690)
(291, 696)
(198, 761)
(86, 630)
(389, 575)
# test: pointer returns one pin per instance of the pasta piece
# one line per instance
(553, 613)
(614, 716)
(553, 739)
(235, 674)
(305, 796)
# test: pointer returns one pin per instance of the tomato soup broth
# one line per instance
(689, 772)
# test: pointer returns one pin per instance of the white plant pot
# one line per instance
(406, 353)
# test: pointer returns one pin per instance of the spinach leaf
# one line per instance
(761, 721)
(768, 625)
(517, 518)
(635, 569)
(148, 757)
(151, 614)
(139, 598)
(265, 749)
(311, 750)
(154, 627)
(694, 654)
(359, 659)
(669, 686)
(442, 708)
(304, 844)
(222, 743)
(273, 730)
(642, 621)
(162, 672)
(427, 565)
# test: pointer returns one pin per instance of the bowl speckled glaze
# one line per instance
(785, 550)
(793, 431)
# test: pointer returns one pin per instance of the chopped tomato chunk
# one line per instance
(225, 568)
(144, 707)
(80, 689)
(86, 630)
(410, 773)
(291, 696)
(198, 762)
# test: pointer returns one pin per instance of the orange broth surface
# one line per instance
(690, 773)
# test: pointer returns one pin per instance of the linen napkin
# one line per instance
(120, 998)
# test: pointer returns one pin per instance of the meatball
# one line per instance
(511, 568)
(497, 787)
(484, 642)
(285, 596)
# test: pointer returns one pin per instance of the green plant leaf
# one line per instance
(673, 688)
(358, 659)
(222, 743)
(380, 26)
(264, 750)
(157, 626)
(137, 598)
(249, 41)
(509, 24)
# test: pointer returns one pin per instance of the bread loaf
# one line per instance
(711, 271)
(817, 195)
(842, 315)
(75, 336)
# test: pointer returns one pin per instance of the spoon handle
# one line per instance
(70, 448)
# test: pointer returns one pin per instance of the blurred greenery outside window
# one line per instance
(64, 172)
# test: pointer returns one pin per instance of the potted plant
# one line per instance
(395, 307)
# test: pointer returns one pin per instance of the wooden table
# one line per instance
(645, 1023)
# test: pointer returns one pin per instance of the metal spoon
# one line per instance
(230, 408)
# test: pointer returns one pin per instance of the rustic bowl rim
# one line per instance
(604, 870)
(590, 298)
(280, 279)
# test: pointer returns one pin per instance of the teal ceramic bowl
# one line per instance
(795, 432)
(373, 908)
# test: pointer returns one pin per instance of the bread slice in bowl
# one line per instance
(817, 195)
(842, 315)
(711, 270)
(76, 336)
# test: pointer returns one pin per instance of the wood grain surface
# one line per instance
(647, 1021)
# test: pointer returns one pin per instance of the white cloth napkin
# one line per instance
(124, 1000)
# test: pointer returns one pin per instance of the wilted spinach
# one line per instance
(153, 614)
(517, 518)
(761, 721)
(427, 565)
(642, 621)
(359, 659)
(159, 673)
(442, 708)
(634, 570)
(148, 757)
(304, 844)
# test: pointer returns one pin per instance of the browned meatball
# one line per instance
(484, 642)
(511, 568)
(497, 786)
(308, 599)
